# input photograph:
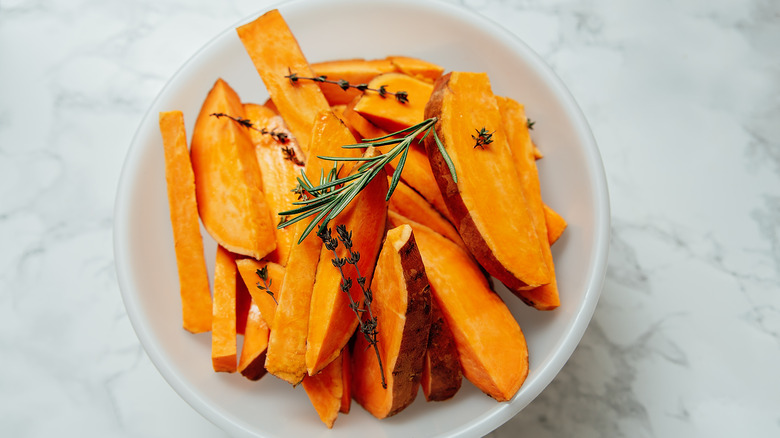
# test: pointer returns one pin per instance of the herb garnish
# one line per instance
(266, 286)
(281, 137)
(367, 326)
(483, 137)
(331, 197)
(401, 96)
(530, 123)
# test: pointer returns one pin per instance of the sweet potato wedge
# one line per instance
(331, 321)
(243, 303)
(227, 178)
(416, 68)
(544, 297)
(354, 71)
(190, 261)
(251, 363)
(491, 213)
(555, 224)
(275, 53)
(346, 379)
(286, 357)
(441, 378)
(325, 391)
(408, 203)
(247, 269)
(491, 347)
(278, 171)
(402, 306)
(223, 321)
(386, 111)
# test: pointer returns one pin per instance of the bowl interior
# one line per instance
(573, 183)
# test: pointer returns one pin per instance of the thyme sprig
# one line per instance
(326, 200)
(368, 325)
(530, 123)
(483, 138)
(287, 150)
(401, 96)
(266, 286)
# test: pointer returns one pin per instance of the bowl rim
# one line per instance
(479, 425)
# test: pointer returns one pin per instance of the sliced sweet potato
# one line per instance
(354, 71)
(227, 178)
(491, 347)
(544, 297)
(325, 391)
(223, 321)
(331, 321)
(190, 261)
(386, 111)
(416, 67)
(402, 306)
(275, 53)
(555, 224)
(441, 376)
(277, 170)
(251, 363)
(360, 126)
(487, 202)
(248, 268)
(286, 356)
(408, 203)
(346, 380)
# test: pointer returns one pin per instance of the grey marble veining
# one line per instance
(683, 98)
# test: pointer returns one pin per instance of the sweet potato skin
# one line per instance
(190, 260)
(400, 276)
(441, 377)
(510, 251)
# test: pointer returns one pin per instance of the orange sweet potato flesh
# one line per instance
(223, 323)
(190, 261)
(441, 378)
(416, 67)
(491, 347)
(360, 126)
(544, 297)
(251, 363)
(555, 224)
(408, 203)
(286, 357)
(491, 213)
(325, 391)
(402, 306)
(277, 172)
(248, 268)
(275, 53)
(227, 178)
(331, 321)
(354, 71)
(387, 112)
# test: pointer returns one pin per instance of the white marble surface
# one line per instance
(683, 98)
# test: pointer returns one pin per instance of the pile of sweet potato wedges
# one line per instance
(425, 254)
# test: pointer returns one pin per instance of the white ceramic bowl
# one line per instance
(573, 183)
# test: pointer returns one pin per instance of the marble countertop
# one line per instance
(683, 99)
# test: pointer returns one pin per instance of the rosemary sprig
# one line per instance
(326, 200)
(367, 326)
(281, 137)
(266, 286)
(483, 137)
(401, 96)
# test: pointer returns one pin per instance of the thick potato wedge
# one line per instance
(402, 306)
(227, 178)
(386, 111)
(408, 203)
(223, 321)
(275, 53)
(487, 203)
(326, 391)
(251, 363)
(247, 269)
(491, 347)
